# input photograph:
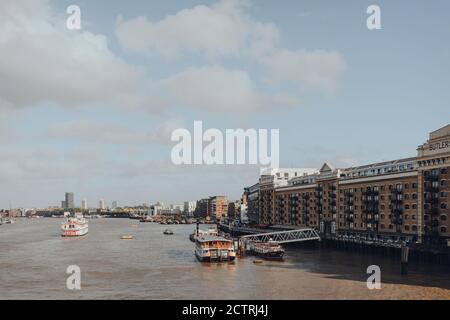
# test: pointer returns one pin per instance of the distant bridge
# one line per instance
(296, 235)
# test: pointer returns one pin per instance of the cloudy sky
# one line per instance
(91, 111)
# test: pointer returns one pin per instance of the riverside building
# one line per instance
(399, 200)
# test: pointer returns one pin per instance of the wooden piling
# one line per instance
(405, 257)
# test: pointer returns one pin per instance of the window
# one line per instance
(414, 206)
(443, 229)
(414, 228)
(414, 196)
(406, 228)
(443, 205)
(444, 171)
(406, 206)
(443, 217)
(414, 185)
(406, 186)
(406, 196)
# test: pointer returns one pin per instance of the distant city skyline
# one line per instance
(91, 111)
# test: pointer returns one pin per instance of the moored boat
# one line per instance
(212, 231)
(214, 249)
(268, 250)
(168, 232)
(74, 227)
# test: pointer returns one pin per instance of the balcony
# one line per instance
(349, 218)
(370, 193)
(432, 209)
(397, 199)
(431, 189)
(397, 219)
(396, 191)
(431, 177)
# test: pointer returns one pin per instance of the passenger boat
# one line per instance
(212, 231)
(214, 249)
(75, 227)
(268, 250)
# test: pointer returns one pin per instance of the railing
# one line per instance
(289, 236)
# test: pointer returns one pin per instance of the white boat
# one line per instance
(214, 249)
(212, 231)
(75, 227)
(10, 221)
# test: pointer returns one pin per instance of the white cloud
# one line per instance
(219, 89)
(214, 88)
(222, 29)
(112, 133)
(42, 61)
(319, 69)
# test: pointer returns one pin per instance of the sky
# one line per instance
(91, 111)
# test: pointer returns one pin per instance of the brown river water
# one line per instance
(34, 258)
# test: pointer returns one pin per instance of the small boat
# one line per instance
(214, 249)
(75, 227)
(168, 232)
(257, 261)
(270, 250)
(126, 238)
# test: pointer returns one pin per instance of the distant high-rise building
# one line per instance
(70, 203)
(114, 205)
(63, 204)
(84, 204)
(101, 204)
(189, 207)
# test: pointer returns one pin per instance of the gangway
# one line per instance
(296, 235)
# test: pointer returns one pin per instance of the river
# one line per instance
(34, 258)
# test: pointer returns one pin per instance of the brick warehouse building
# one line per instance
(405, 199)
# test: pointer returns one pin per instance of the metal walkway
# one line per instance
(284, 236)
